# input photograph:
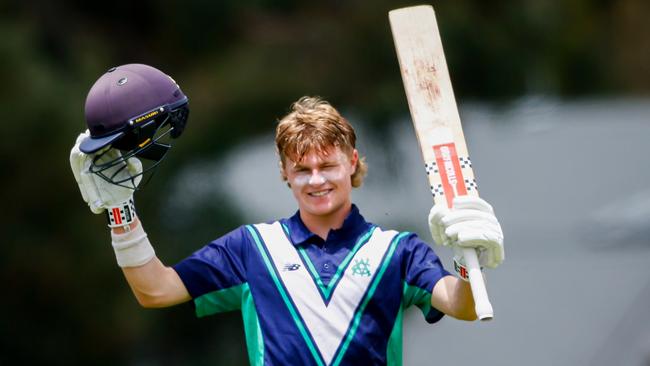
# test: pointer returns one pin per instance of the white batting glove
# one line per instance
(437, 227)
(95, 191)
(471, 223)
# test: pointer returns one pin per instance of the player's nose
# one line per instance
(316, 178)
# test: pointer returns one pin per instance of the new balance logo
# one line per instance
(291, 267)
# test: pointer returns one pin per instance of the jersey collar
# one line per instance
(353, 226)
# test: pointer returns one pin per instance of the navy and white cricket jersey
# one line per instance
(309, 301)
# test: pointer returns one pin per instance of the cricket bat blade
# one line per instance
(436, 121)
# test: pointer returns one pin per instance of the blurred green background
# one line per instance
(241, 63)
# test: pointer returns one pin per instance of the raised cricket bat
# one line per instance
(436, 120)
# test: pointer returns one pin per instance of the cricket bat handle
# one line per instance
(481, 301)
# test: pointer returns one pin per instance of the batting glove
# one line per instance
(471, 223)
(99, 194)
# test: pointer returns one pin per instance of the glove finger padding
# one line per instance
(489, 255)
(480, 235)
(76, 164)
(474, 230)
(134, 166)
(80, 163)
(493, 258)
(472, 224)
(436, 225)
(112, 194)
(472, 203)
(95, 191)
(460, 215)
(95, 201)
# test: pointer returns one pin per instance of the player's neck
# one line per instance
(322, 224)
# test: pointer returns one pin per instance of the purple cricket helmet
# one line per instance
(134, 108)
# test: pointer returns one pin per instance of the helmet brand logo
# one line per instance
(146, 116)
(122, 81)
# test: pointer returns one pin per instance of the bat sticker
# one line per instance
(453, 182)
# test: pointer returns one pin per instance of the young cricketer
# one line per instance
(321, 287)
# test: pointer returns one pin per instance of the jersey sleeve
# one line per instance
(215, 274)
(422, 270)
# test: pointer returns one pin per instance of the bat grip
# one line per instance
(481, 301)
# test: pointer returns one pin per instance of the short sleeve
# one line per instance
(218, 266)
(422, 270)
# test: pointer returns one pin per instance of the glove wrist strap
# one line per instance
(461, 270)
(121, 215)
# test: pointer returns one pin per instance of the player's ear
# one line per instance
(354, 160)
(283, 173)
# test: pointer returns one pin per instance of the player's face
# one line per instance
(322, 183)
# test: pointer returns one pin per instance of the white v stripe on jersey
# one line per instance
(329, 323)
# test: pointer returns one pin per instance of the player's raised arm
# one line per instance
(470, 224)
(132, 111)
(153, 284)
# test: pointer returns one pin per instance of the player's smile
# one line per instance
(320, 193)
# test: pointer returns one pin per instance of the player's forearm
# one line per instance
(453, 297)
(153, 284)
(464, 301)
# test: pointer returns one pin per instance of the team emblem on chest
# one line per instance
(361, 267)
